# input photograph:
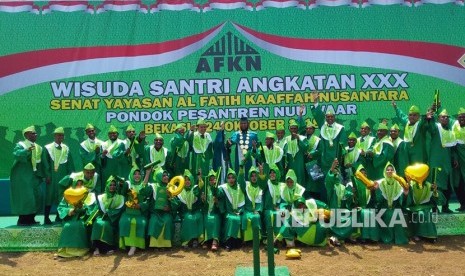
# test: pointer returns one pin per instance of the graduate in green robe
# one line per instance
(440, 157)
(58, 163)
(74, 239)
(314, 178)
(365, 144)
(272, 199)
(400, 160)
(415, 130)
(179, 151)
(381, 153)
(134, 150)
(351, 156)
(156, 152)
(133, 221)
(365, 204)
(290, 192)
(105, 219)
(89, 177)
(422, 199)
(308, 216)
(391, 198)
(189, 207)
(112, 155)
(25, 178)
(211, 211)
(89, 151)
(339, 201)
(332, 135)
(280, 135)
(295, 151)
(459, 158)
(270, 153)
(232, 201)
(161, 225)
(253, 207)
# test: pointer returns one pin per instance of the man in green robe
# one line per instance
(351, 156)
(179, 151)
(365, 143)
(90, 149)
(112, 155)
(459, 158)
(440, 156)
(134, 150)
(295, 152)
(381, 153)
(332, 134)
(90, 179)
(280, 135)
(25, 178)
(400, 160)
(156, 153)
(415, 130)
(58, 163)
(271, 153)
(203, 146)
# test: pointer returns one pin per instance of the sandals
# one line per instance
(334, 241)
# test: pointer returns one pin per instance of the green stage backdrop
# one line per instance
(154, 64)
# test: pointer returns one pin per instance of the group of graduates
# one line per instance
(289, 187)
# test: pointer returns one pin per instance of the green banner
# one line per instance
(155, 64)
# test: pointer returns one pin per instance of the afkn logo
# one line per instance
(229, 53)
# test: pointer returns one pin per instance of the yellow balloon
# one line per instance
(417, 172)
(174, 189)
(74, 196)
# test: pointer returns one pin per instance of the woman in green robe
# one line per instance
(290, 192)
(272, 199)
(253, 206)
(161, 225)
(211, 212)
(189, 207)
(107, 213)
(74, 239)
(232, 201)
(391, 198)
(133, 222)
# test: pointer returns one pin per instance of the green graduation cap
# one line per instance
(158, 136)
(461, 111)
(395, 127)
(352, 136)
(280, 127)
(89, 167)
(89, 126)
(365, 124)
(201, 121)
(444, 113)
(130, 128)
(180, 125)
(414, 109)
(270, 135)
(59, 130)
(29, 129)
(382, 126)
(112, 129)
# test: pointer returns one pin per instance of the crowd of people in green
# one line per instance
(315, 185)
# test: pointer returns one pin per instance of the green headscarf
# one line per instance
(274, 167)
(189, 175)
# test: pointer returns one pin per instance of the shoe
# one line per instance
(228, 248)
(195, 244)
(110, 252)
(214, 247)
(96, 252)
(132, 250)
(416, 238)
(334, 241)
(47, 221)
